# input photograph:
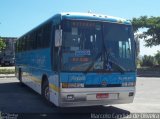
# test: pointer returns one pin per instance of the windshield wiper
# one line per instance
(108, 61)
(93, 61)
(119, 67)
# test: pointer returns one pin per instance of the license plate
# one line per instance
(102, 95)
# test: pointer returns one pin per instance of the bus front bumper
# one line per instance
(96, 96)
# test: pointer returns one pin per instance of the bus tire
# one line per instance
(45, 90)
(20, 76)
(2, 65)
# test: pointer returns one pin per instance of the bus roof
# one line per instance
(85, 16)
(94, 17)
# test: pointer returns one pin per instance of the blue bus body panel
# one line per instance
(36, 58)
(35, 63)
(98, 78)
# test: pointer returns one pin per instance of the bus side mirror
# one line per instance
(58, 38)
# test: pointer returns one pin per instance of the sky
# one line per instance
(19, 16)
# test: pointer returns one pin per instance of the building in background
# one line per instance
(7, 55)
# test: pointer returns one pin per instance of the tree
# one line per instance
(148, 61)
(152, 24)
(139, 61)
(157, 57)
(2, 44)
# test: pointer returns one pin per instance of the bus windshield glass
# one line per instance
(89, 46)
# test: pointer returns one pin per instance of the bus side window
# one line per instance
(40, 38)
(47, 35)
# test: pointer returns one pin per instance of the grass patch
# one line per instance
(7, 71)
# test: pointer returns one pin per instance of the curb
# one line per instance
(148, 75)
(8, 75)
(152, 74)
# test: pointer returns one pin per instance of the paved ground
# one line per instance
(147, 99)
(17, 99)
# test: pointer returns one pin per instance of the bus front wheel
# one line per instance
(45, 90)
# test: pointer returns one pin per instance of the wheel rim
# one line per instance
(46, 93)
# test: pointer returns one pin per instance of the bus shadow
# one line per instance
(93, 112)
(28, 104)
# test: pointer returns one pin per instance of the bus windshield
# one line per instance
(91, 46)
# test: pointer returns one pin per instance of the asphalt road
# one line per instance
(22, 100)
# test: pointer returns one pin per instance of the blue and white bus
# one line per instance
(79, 59)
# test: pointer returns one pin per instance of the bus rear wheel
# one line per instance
(45, 90)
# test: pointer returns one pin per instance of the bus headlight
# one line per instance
(128, 84)
(131, 83)
(124, 84)
(72, 85)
